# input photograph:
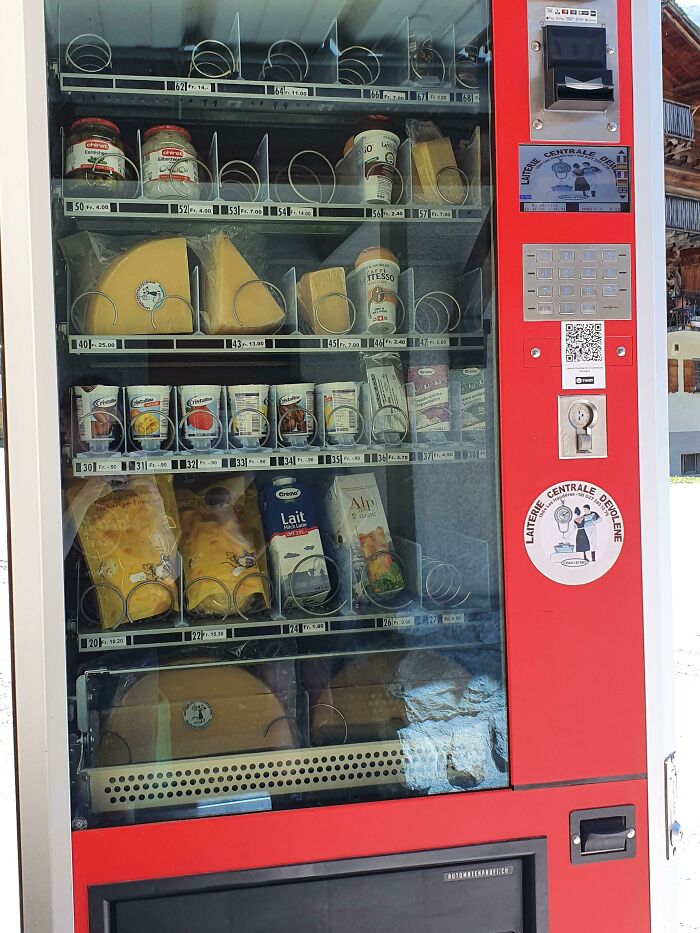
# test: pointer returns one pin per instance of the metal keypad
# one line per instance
(593, 278)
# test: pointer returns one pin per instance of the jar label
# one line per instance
(96, 155)
(170, 164)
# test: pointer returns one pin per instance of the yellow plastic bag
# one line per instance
(128, 531)
(223, 547)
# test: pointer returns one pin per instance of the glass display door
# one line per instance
(274, 255)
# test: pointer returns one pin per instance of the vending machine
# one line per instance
(334, 407)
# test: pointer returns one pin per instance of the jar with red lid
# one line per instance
(95, 162)
(169, 163)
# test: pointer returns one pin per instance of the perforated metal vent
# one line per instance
(159, 784)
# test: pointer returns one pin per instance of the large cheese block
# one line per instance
(146, 290)
(323, 303)
(204, 710)
(365, 701)
(235, 300)
(437, 171)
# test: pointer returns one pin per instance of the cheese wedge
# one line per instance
(146, 290)
(437, 171)
(323, 301)
(235, 300)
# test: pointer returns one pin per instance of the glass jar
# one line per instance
(169, 163)
(95, 161)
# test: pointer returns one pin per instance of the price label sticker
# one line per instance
(433, 341)
(398, 457)
(396, 343)
(441, 214)
(94, 343)
(453, 618)
(247, 343)
(397, 622)
(249, 210)
(199, 87)
(108, 466)
(149, 465)
(113, 641)
(394, 95)
(439, 455)
(204, 463)
(352, 459)
(393, 212)
(208, 634)
(290, 90)
(302, 212)
(439, 97)
(306, 460)
(311, 628)
(96, 207)
(200, 209)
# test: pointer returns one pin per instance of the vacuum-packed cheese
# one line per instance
(323, 301)
(145, 290)
(236, 301)
(437, 171)
(188, 712)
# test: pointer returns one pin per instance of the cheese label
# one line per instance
(150, 295)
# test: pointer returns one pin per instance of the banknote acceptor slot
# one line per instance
(576, 70)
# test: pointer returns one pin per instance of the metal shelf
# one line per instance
(272, 343)
(144, 635)
(225, 461)
(145, 208)
(204, 93)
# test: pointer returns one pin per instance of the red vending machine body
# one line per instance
(515, 665)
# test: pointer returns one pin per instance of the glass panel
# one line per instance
(275, 305)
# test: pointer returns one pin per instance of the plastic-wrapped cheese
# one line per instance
(236, 301)
(145, 290)
(323, 301)
(436, 167)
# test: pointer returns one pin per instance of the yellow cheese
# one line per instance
(231, 304)
(437, 171)
(323, 301)
(146, 290)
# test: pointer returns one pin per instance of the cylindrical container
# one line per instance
(169, 163)
(341, 402)
(96, 408)
(296, 422)
(95, 162)
(378, 149)
(248, 414)
(380, 269)
(148, 415)
(200, 416)
(430, 401)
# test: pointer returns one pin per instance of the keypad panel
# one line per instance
(577, 281)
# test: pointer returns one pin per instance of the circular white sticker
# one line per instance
(150, 295)
(574, 532)
(197, 714)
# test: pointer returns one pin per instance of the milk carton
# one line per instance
(357, 521)
(296, 550)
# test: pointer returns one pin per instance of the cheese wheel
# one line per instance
(193, 712)
(146, 290)
(323, 301)
(235, 300)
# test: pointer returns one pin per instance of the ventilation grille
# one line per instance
(159, 784)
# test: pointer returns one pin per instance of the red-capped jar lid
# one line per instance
(95, 121)
(168, 128)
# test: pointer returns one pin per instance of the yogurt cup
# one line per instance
(248, 414)
(148, 416)
(341, 411)
(377, 152)
(379, 270)
(96, 408)
(296, 421)
(200, 416)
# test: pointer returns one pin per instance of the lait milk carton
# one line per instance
(293, 537)
(357, 520)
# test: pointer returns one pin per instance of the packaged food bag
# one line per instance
(222, 547)
(128, 532)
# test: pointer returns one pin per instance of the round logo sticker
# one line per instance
(574, 533)
(197, 714)
(150, 295)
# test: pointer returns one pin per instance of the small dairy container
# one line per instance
(379, 271)
(292, 533)
(248, 414)
(341, 413)
(200, 416)
(148, 415)
(296, 420)
(378, 150)
(96, 409)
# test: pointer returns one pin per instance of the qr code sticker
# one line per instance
(583, 342)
